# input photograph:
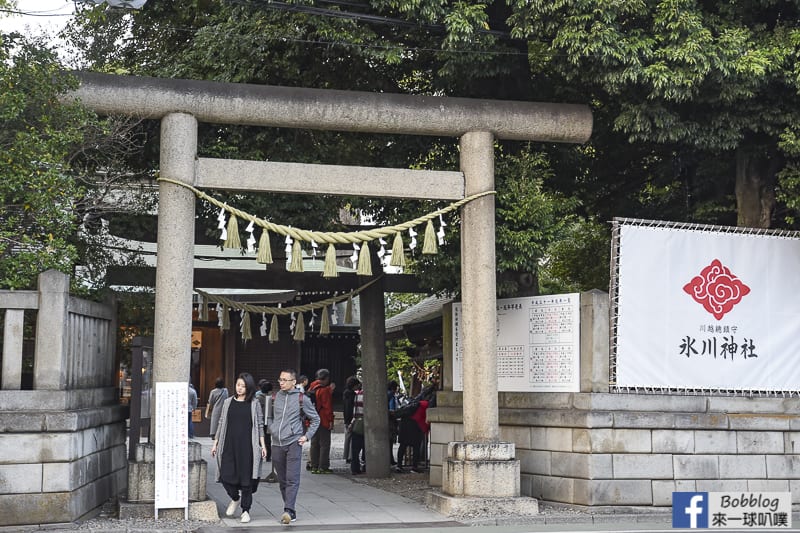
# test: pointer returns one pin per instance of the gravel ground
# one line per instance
(415, 487)
(408, 485)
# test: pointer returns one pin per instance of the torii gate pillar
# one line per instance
(481, 470)
(173, 324)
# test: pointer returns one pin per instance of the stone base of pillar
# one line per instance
(477, 507)
(202, 511)
(481, 469)
(142, 474)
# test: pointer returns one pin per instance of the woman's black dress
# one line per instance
(237, 455)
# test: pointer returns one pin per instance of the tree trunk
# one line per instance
(755, 186)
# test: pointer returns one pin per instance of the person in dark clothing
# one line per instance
(239, 446)
(393, 405)
(357, 431)
(348, 397)
(264, 390)
(320, 453)
(413, 429)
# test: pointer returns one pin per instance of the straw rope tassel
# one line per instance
(233, 234)
(325, 325)
(247, 333)
(300, 328)
(264, 251)
(273, 329)
(204, 309)
(348, 310)
(429, 246)
(364, 261)
(296, 264)
(398, 254)
(226, 318)
(330, 270)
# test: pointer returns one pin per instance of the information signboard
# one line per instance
(538, 344)
(172, 446)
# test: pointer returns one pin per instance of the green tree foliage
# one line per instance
(715, 81)
(425, 47)
(399, 358)
(579, 261)
(59, 165)
(695, 103)
(37, 137)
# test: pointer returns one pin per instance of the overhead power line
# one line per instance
(363, 17)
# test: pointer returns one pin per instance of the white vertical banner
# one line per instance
(707, 309)
(172, 446)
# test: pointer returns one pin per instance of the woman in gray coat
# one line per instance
(239, 446)
(214, 406)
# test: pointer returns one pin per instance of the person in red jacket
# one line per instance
(413, 428)
(322, 391)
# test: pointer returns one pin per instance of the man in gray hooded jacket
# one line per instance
(285, 422)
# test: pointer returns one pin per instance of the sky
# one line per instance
(43, 15)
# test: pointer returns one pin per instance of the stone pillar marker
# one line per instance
(480, 472)
(173, 320)
(173, 316)
(478, 290)
(50, 365)
(373, 361)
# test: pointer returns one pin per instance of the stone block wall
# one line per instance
(597, 448)
(59, 464)
(142, 474)
(62, 444)
(602, 449)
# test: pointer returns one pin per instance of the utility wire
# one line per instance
(375, 19)
(336, 14)
(36, 13)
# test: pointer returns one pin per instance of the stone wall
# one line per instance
(62, 444)
(59, 459)
(597, 448)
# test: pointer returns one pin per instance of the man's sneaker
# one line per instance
(415, 471)
(245, 517)
(324, 471)
(288, 516)
(231, 508)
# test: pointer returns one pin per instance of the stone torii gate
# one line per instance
(482, 466)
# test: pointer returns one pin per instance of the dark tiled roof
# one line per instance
(428, 309)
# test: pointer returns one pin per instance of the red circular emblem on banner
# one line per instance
(716, 289)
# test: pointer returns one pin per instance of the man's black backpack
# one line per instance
(407, 410)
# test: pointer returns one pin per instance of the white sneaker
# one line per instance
(231, 508)
(245, 517)
(286, 518)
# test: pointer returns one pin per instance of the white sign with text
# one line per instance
(538, 344)
(172, 445)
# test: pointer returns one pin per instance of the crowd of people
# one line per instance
(258, 424)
